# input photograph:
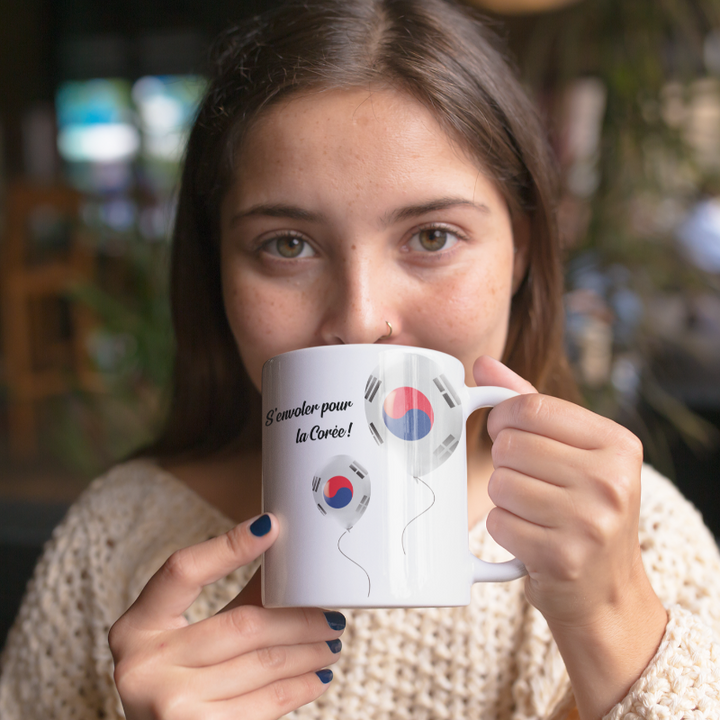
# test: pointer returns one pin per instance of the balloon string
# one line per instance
(419, 515)
(352, 561)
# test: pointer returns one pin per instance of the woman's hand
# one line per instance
(245, 662)
(566, 486)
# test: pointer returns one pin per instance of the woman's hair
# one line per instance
(441, 54)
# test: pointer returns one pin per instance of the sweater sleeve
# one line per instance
(682, 561)
(56, 663)
(683, 679)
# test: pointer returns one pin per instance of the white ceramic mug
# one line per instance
(364, 464)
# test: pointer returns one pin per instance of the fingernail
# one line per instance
(325, 676)
(334, 645)
(335, 620)
(261, 526)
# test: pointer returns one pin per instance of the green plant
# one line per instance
(645, 61)
(131, 349)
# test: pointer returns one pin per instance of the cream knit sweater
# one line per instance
(493, 660)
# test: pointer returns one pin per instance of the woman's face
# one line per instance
(352, 208)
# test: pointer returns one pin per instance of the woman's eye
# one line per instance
(433, 240)
(289, 247)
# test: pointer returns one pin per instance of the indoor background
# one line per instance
(95, 102)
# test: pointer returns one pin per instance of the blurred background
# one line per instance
(95, 103)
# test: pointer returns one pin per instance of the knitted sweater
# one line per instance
(492, 660)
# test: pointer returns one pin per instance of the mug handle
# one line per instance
(483, 571)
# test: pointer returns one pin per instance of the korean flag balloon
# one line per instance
(413, 411)
(342, 490)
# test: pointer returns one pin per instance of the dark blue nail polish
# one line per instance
(335, 620)
(334, 645)
(325, 676)
(261, 526)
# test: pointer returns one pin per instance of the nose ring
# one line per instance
(389, 333)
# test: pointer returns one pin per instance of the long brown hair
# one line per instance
(440, 53)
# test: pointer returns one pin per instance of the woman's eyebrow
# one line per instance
(278, 210)
(411, 211)
(293, 212)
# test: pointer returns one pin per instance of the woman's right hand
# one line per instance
(246, 661)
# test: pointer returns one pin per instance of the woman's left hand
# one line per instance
(566, 486)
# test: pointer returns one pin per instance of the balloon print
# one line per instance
(413, 411)
(342, 490)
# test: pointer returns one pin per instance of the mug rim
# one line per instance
(346, 347)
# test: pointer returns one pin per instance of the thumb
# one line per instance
(251, 594)
(488, 371)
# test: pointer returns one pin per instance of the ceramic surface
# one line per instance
(364, 464)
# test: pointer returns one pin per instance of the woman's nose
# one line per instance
(358, 305)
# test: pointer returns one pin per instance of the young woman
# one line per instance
(370, 171)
